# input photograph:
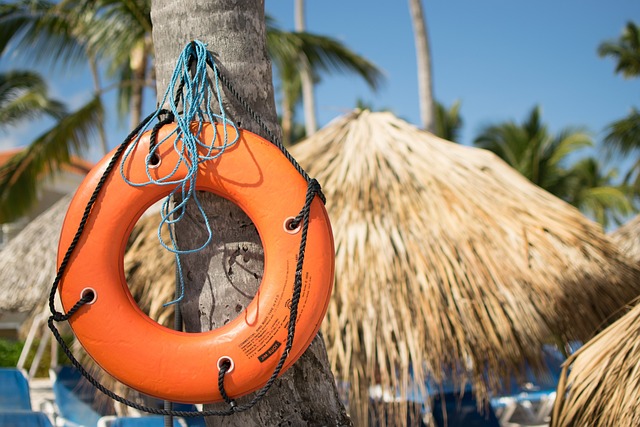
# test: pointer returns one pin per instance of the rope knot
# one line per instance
(58, 317)
(316, 189)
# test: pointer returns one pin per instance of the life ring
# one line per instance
(179, 366)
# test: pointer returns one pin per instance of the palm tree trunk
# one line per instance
(139, 64)
(221, 280)
(423, 58)
(98, 88)
(287, 119)
(308, 96)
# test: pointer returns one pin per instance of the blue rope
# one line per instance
(197, 92)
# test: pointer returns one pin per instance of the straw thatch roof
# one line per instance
(603, 387)
(447, 258)
(28, 262)
(628, 238)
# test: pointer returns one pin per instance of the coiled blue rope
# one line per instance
(194, 91)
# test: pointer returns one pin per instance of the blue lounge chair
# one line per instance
(24, 419)
(529, 403)
(74, 397)
(452, 410)
(150, 421)
(14, 390)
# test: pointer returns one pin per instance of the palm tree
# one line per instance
(625, 50)
(306, 79)
(423, 58)
(623, 135)
(591, 190)
(542, 158)
(533, 151)
(112, 32)
(306, 393)
(448, 122)
(292, 53)
(117, 33)
(23, 96)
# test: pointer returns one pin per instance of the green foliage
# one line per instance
(22, 175)
(542, 158)
(531, 150)
(23, 96)
(625, 51)
(623, 135)
(70, 32)
(448, 121)
(9, 352)
(291, 51)
(591, 190)
(117, 34)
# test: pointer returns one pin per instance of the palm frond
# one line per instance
(625, 50)
(565, 143)
(22, 175)
(23, 95)
(448, 121)
(623, 136)
(41, 30)
(322, 53)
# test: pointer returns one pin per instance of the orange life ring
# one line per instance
(179, 366)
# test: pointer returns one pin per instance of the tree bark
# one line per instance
(139, 64)
(423, 58)
(308, 96)
(221, 280)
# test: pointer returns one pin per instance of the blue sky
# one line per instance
(499, 58)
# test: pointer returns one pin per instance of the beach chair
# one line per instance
(453, 410)
(24, 419)
(14, 390)
(148, 421)
(530, 403)
(74, 399)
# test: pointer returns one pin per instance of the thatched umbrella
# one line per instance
(448, 260)
(627, 238)
(28, 262)
(28, 267)
(603, 386)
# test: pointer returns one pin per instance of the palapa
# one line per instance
(600, 383)
(447, 258)
(28, 262)
(627, 237)
(602, 388)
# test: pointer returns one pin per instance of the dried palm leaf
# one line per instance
(447, 258)
(628, 238)
(603, 387)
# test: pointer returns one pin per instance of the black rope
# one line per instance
(313, 189)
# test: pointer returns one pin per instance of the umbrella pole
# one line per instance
(177, 325)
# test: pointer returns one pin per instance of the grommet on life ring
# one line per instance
(179, 366)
